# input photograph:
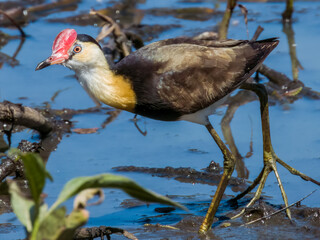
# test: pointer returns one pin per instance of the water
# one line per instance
(295, 131)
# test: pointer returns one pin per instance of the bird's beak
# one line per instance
(56, 58)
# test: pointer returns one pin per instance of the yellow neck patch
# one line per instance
(121, 96)
(94, 74)
(109, 88)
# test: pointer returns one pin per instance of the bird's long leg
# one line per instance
(264, 174)
(269, 156)
(250, 188)
(229, 162)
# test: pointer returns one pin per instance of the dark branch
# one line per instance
(99, 232)
(24, 116)
(7, 167)
(257, 33)
(14, 23)
(278, 78)
(11, 165)
(279, 211)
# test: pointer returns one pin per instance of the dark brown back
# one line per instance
(181, 76)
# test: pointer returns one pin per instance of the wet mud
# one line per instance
(210, 176)
(305, 224)
(305, 221)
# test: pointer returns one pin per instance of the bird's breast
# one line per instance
(113, 90)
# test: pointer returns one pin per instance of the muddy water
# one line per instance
(294, 126)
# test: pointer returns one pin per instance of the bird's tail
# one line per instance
(268, 40)
(263, 48)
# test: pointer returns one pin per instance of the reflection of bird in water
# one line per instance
(174, 79)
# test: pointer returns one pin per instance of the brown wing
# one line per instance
(181, 76)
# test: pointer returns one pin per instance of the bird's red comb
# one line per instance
(64, 40)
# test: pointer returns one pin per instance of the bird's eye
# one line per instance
(77, 49)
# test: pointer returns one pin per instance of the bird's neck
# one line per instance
(107, 87)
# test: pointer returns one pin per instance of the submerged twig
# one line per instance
(14, 23)
(257, 33)
(112, 116)
(274, 76)
(295, 63)
(120, 36)
(287, 14)
(105, 31)
(244, 11)
(144, 133)
(250, 153)
(224, 25)
(236, 101)
(55, 95)
(281, 210)
(18, 48)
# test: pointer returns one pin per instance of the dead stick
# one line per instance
(244, 11)
(14, 23)
(224, 25)
(274, 76)
(7, 167)
(117, 31)
(257, 33)
(281, 210)
(24, 116)
(144, 133)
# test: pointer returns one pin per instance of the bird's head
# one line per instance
(75, 51)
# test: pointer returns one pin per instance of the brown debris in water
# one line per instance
(187, 175)
(85, 130)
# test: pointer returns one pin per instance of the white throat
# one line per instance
(101, 83)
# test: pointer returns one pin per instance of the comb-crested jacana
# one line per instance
(175, 79)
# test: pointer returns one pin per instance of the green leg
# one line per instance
(269, 160)
(296, 172)
(269, 166)
(269, 156)
(251, 187)
(264, 174)
(229, 162)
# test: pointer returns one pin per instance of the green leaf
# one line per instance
(51, 225)
(36, 174)
(22, 206)
(76, 219)
(58, 226)
(76, 185)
